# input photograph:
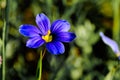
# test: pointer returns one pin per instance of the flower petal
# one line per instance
(35, 42)
(110, 42)
(65, 36)
(43, 23)
(29, 30)
(55, 47)
(60, 26)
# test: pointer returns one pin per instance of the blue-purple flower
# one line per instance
(52, 35)
(111, 43)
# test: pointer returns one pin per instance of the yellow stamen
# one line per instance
(47, 37)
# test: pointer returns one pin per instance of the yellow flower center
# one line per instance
(47, 37)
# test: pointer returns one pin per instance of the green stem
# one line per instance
(4, 38)
(40, 66)
(112, 72)
(116, 20)
(3, 51)
(44, 53)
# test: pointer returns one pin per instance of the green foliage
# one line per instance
(86, 58)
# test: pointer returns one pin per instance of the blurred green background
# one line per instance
(86, 58)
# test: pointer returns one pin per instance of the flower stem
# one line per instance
(3, 51)
(116, 21)
(4, 37)
(44, 53)
(40, 64)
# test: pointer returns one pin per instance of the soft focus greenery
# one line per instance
(86, 58)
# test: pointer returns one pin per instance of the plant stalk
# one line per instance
(3, 51)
